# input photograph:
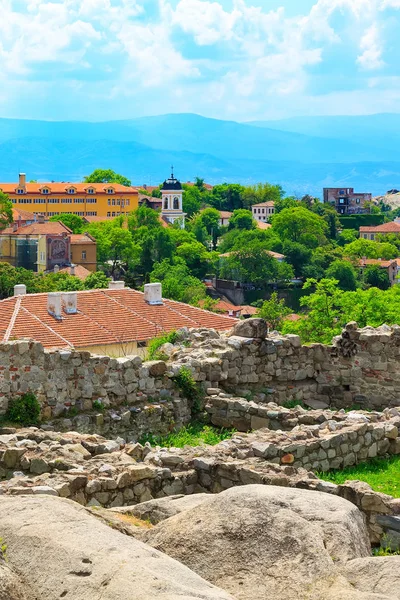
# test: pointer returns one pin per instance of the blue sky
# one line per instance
(235, 59)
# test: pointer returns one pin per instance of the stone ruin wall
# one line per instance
(361, 368)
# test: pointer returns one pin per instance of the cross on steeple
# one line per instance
(172, 171)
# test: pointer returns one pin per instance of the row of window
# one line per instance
(89, 213)
(63, 201)
(175, 204)
(117, 202)
(267, 211)
(21, 191)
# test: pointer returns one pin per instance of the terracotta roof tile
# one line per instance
(384, 228)
(82, 238)
(48, 228)
(80, 271)
(62, 187)
(270, 204)
(104, 317)
(262, 225)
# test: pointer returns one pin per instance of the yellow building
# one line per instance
(82, 199)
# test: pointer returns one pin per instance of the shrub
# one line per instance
(189, 388)
(156, 343)
(24, 410)
(195, 434)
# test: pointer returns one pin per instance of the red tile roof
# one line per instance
(378, 261)
(82, 238)
(48, 228)
(225, 214)
(269, 204)
(262, 225)
(62, 187)
(384, 228)
(23, 215)
(80, 271)
(103, 317)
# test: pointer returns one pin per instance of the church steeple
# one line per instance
(172, 196)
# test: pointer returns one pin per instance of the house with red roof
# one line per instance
(371, 232)
(118, 321)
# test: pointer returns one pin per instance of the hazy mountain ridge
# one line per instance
(143, 149)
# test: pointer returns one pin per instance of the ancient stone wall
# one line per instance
(99, 393)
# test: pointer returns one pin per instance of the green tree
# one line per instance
(297, 255)
(370, 249)
(177, 281)
(226, 196)
(376, 276)
(73, 222)
(144, 217)
(191, 200)
(196, 257)
(347, 236)
(199, 183)
(300, 225)
(273, 311)
(6, 211)
(261, 192)
(97, 280)
(115, 245)
(106, 176)
(344, 272)
(242, 219)
(206, 225)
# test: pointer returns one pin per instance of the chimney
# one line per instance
(20, 290)
(116, 285)
(153, 293)
(70, 302)
(56, 269)
(54, 302)
(15, 226)
(22, 180)
(40, 218)
(72, 270)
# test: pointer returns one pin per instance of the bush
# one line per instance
(24, 410)
(356, 221)
(156, 343)
(189, 388)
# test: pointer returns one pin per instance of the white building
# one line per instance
(171, 197)
(263, 211)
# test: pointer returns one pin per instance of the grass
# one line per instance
(153, 352)
(382, 474)
(294, 404)
(195, 434)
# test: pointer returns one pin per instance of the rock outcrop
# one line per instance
(267, 542)
(61, 551)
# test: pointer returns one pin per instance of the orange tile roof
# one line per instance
(262, 225)
(248, 310)
(23, 215)
(384, 228)
(48, 228)
(269, 204)
(81, 272)
(225, 214)
(377, 261)
(104, 317)
(57, 187)
(81, 238)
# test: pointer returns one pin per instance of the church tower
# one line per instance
(172, 194)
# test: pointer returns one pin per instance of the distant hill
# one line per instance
(302, 154)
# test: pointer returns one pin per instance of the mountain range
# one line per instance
(302, 154)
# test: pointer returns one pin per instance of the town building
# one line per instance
(370, 232)
(171, 198)
(82, 199)
(115, 322)
(392, 267)
(40, 247)
(263, 211)
(346, 201)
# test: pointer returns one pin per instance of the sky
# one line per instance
(230, 59)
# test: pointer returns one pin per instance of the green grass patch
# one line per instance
(294, 403)
(153, 352)
(382, 474)
(23, 410)
(195, 434)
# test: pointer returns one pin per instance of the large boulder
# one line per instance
(251, 328)
(380, 574)
(160, 509)
(261, 542)
(61, 551)
(11, 587)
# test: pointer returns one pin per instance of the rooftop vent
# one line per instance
(70, 302)
(153, 293)
(20, 290)
(54, 304)
(56, 268)
(116, 285)
(72, 270)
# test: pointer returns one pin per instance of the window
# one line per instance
(78, 200)
(126, 202)
(365, 236)
(113, 214)
(66, 201)
(19, 191)
(91, 201)
(341, 193)
(71, 191)
(118, 202)
(141, 344)
(45, 190)
(83, 256)
(90, 191)
(108, 214)
(176, 203)
(42, 257)
(122, 202)
(53, 201)
(39, 201)
(341, 200)
(92, 213)
(110, 191)
(113, 202)
(372, 236)
(166, 203)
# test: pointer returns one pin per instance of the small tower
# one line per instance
(171, 195)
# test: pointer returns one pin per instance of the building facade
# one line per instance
(370, 232)
(82, 199)
(263, 211)
(346, 201)
(171, 198)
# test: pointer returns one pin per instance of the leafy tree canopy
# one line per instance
(73, 222)
(300, 225)
(106, 176)
(344, 272)
(6, 211)
(242, 219)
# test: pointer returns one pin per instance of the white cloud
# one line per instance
(370, 44)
